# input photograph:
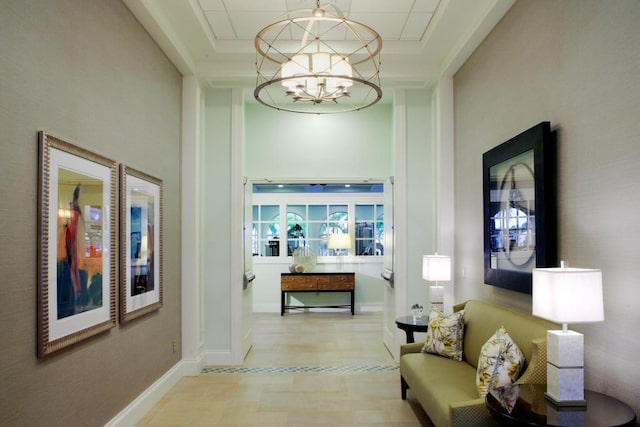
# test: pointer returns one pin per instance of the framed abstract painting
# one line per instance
(77, 251)
(140, 243)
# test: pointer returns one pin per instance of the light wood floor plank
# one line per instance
(304, 369)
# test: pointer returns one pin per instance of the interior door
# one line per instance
(248, 277)
(389, 326)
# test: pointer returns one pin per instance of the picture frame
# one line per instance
(141, 287)
(77, 235)
(520, 208)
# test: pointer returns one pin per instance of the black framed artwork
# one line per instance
(520, 204)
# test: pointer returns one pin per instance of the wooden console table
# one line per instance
(317, 282)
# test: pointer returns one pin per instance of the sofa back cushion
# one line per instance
(483, 318)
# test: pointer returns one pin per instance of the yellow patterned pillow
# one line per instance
(507, 396)
(444, 334)
(500, 362)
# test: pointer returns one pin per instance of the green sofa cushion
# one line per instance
(456, 382)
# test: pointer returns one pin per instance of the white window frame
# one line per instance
(348, 199)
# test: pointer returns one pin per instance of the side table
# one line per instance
(532, 409)
(410, 324)
(317, 283)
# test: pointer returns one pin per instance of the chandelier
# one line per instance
(318, 63)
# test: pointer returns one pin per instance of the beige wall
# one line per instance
(84, 71)
(573, 63)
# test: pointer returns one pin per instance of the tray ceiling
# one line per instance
(422, 39)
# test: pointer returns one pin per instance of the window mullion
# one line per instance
(283, 230)
(351, 221)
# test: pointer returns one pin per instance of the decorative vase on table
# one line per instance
(417, 310)
(304, 259)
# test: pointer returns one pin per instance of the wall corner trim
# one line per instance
(193, 367)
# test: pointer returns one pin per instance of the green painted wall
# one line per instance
(353, 145)
(289, 145)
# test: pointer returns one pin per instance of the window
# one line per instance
(296, 229)
(369, 233)
(337, 222)
(266, 230)
(309, 219)
(321, 220)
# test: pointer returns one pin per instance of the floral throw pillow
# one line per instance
(444, 334)
(507, 396)
(499, 364)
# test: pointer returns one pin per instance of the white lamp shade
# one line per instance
(296, 66)
(320, 63)
(341, 67)
(568, 295)
(436, 268)
(339, 241)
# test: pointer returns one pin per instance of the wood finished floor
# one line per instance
(347, 397)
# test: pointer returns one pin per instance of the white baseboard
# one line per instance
(137, 409)
(193, 367)
(266, 308)
(219, 358)
(377, 308)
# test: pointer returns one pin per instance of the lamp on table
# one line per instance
(339, 242)
(566, 295)
(436, 268)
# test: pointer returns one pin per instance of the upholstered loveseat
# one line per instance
(446, 388)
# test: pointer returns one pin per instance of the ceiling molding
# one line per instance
(204, 24)
(154, 21)
(183, 32)
(475, 36)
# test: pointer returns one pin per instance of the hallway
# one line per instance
(311, 369)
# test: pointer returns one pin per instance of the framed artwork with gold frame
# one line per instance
(77, 244)
(140, 243)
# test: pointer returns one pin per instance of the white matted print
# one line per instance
(140, 243)
(77, 251)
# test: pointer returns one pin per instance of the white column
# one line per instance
(192, 310)
(401, 231)
(238, 321)
(444, 151)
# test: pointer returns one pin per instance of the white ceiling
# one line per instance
(393, 20)
(422, 39)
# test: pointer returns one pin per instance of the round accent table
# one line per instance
(530, 408)
(410, 324)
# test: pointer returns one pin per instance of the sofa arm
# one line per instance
(472, 413)
(415, 347)
(536, 372)
(458, 307)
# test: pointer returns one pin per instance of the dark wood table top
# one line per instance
(418, 322)
(531, 408)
